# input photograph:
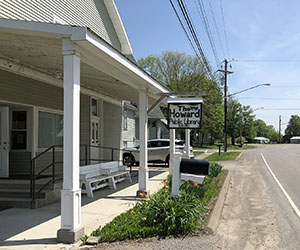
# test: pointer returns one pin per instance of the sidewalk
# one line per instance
(36, 228)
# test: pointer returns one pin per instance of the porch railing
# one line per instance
(50, 171)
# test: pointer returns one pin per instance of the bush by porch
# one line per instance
(162, 215)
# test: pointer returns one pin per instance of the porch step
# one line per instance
(25, 184)
(15, 202)
(17, 193)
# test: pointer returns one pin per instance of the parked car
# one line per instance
(158, 151)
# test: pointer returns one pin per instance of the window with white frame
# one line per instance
(50, 129)
(125, 120)
(94, 106)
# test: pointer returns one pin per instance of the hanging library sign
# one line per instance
(184, 113)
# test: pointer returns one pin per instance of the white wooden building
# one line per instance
(65, 68)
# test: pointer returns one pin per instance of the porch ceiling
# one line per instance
(44, 54)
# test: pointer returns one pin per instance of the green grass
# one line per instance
(228, 156)
(163, 215)
(207, 147)
(230, 147)
(241, 148)
(197, 153)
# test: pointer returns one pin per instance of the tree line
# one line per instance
(180, 72)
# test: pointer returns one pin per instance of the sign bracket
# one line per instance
(173, 94)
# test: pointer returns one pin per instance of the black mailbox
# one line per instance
(196, 167)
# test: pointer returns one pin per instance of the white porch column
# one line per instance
(71, 229)
(143, 122)
(187, 142)
(172, 150)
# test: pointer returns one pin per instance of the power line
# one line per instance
(185, 31)
(202, 13)
(192, 35)
(193, 32)
(269, 98)
(224, 27)
(266, 61)
(195, 36)
(216, 27)
(284, 109)
(286, 86)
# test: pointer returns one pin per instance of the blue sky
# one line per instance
(257, 29)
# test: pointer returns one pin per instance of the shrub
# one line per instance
(214, 169)
(162, 214)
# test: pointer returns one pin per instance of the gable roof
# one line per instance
(119, 27)
(101, 16)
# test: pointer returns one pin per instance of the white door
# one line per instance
(95, 140)
(4, 141)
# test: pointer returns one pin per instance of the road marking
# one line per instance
(282, 188)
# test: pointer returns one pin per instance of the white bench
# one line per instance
(96, 176)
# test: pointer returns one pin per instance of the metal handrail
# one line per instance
(35, 176)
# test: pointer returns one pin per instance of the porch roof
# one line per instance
(34, 50)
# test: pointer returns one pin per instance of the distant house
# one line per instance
(295, 139)
(261, 140)
(157, 126)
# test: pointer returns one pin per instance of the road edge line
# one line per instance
(295, 208)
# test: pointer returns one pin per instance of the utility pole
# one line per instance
(226, 72)
(279, 135)
(241, 130)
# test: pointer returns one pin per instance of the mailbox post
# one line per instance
(176, 175)
(193, 168)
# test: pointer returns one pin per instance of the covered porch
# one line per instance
(86, 68)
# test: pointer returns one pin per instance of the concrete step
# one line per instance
(19, 193)
(15, 202)
(41, 200)
(25, 184)
(16, 193)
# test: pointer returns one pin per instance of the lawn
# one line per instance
(228, 156)
(197, 153)
(229, 147)
(241, 148)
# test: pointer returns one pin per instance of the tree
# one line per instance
(249, 131)
(274, 135)
(240, 120)
(234, 118)
(173, 69)
(184, 73)
(261, 128)
(293, 127)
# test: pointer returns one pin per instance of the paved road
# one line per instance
(284, 160)
(256, 214)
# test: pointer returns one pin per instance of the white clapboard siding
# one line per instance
(87, 13)
(129, 133)
(22, 90)
(112, 122)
